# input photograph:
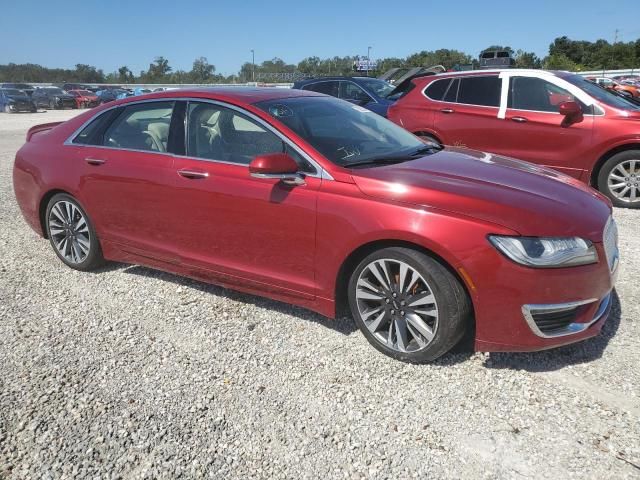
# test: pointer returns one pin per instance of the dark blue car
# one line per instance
(367, 92)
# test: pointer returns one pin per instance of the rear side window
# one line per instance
(452, 91)
(92, 133)
(328, 88)
(143, 126)
(437, 89)
(483, 91)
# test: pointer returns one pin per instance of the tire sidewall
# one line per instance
(447, 333)
(606, 169)
(94, 258)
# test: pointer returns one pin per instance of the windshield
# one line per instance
(379, 87)
(54, 91)
(344, 133)
(13, 91)
(601, 94)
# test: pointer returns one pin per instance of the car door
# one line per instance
(534, 130)
(468, 113)
(126, 177)
(232, 227)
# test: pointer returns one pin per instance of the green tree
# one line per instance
(527, 60)
(202, 71)
(560, 61)
(125, 75)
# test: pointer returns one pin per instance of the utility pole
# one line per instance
(615, 37)
(253, 64)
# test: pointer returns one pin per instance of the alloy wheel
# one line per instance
(397, 305)
(69, 231)
(624, 181)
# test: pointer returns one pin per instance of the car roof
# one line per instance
(336, 77)
(246, 95)
(495, 71)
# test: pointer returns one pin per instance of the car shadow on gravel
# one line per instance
(558, 358)
(344, 325)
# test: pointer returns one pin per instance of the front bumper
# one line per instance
(569, 304)
(22, 107)
(66, 103)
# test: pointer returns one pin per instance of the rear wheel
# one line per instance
(408, 305)
(619, 179)
(71, 233)
(52, 105)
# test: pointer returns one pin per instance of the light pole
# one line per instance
(368, 60)
(253, 63)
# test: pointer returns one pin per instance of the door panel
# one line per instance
(127, 194)
(248, 229)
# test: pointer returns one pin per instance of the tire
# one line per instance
(6, 109)
(75, 243)
(52, 105)
(619, 179)
(429, 138)
(433, 309)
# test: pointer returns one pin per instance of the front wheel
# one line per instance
(52, 105)
(619, 179)
(408, 305)
(71, 234)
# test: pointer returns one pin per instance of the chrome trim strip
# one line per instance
(572, 328)
(320, 171)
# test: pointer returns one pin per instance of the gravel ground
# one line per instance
(134, 373)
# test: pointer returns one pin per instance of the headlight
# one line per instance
(546, 252)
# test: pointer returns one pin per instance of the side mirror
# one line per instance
(570, 109)
(276, 165)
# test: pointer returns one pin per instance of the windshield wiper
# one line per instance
(378, 161)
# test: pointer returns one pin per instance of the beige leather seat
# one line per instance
(159, 131)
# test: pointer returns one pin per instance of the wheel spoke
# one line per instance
(424, 298)
(401, 334)
(374, 324)
(367, 295)
(621, 169)
(425, 330)
(382, 277)
(366, 284)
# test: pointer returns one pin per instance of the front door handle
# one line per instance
(519, 119)
(94, 161)
(192, 174)
(447, 110)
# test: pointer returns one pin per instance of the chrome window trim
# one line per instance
(320, 171)
(572, 328)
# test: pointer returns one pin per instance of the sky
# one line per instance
(109, 34)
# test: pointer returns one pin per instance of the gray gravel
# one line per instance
(134, 373)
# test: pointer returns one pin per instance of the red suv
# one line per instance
(556, 119)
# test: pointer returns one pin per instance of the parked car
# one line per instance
(110, 94)
(303, 198)
(556, 119)
(367, 92)
(619, 87)
(74, 86)
(53, 98)
(496, 59)
(25, 87)
(13, 100)
(85, 98)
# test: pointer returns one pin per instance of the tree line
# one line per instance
(564, 54)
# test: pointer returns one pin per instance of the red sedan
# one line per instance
(85, 98)
(318, 202)
(556, 119)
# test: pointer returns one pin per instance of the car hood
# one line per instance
(523, 197)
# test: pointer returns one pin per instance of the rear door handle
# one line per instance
(447, 110)
(94, 161)
(192, 174)
(519, 119)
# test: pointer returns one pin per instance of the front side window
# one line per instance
(218, 133)
(482, 91)
(353, 93)
(530, 93)
(344, 133)
(143, 126)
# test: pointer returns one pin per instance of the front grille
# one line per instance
(610, 240)
(549, 321)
